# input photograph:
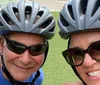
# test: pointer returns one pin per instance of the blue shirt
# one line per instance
(39, 80)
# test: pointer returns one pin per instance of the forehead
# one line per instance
(20, 36)
(23, 34)
(84, 38)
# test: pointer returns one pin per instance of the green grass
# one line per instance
(56, 69)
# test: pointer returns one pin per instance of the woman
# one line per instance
(79, 22)
(25, 28)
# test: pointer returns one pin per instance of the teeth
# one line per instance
(95, 73)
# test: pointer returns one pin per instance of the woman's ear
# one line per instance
(1, 43)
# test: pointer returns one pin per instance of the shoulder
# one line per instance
(74, 83)
(40, 79)
(3, 81)
(41, 73)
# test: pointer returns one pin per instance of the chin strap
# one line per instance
(12, 80)
(77, 74)
(74, 69)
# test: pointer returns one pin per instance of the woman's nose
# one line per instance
(88, 60)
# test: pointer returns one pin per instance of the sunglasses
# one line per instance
(20, 48)
(75, 56)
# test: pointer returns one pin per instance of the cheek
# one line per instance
(8, 55)
(39, 59)
(80, 70)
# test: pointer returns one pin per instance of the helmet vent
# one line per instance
(40, 13)
(28, 11)
(16, 13)
(83, 5)
(70, 11)
(7, 19)
(63, 20)
(46, 23)
(97, 5)
(52, 29)
(1, 24)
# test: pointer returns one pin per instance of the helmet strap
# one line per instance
(12, 80)
(74, 69)
(46, 53)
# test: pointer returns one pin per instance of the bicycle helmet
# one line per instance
(79, 15)
(30, 17)
(27, 17)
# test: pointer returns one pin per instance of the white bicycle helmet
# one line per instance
(79, 15)
(27, 17)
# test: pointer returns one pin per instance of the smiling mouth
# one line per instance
(23, 67)
(94, 73)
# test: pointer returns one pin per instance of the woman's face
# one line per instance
(22, 66)
(90, 69)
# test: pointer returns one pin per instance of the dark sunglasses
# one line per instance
(20, 48)
(75, 56)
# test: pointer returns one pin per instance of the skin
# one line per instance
(24, 65)
(83, 40)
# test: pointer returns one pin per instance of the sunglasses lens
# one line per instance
(15, 47)
(19, 48)
(37, 49)
(74, 56)
(95, 51)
